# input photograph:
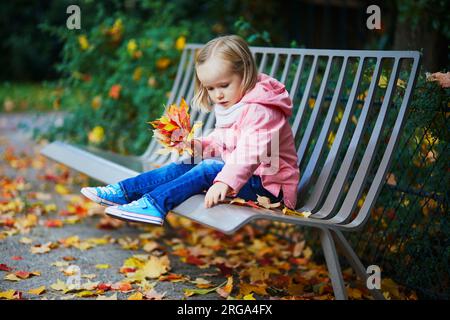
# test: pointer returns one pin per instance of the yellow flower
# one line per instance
(96, 102)
(83, 41)
(97, 134)
(331, 137)
(137, 74)
(162, 63)
(132, 46)
(116, 30)
(180, 43)
(383, 82)
(401, 83)
(152, 82)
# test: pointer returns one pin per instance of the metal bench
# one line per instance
(349, 110)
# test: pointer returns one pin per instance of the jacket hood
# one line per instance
(271, 93)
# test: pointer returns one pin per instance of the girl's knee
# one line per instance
(211, 165)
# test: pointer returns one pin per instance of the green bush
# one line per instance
(125, 66)
(408, 232)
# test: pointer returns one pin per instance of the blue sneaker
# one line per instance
(137, 211)
(111, 195)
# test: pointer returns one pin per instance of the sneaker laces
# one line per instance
(131, 204)
(108, 190)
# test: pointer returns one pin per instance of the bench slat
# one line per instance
(319, 148)
(86, 162)
(364, 168)
(312, 123)
(330, 163)
(336, 192)
(230, 218)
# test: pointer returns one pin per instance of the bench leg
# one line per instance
(355, 262)
(334, 268)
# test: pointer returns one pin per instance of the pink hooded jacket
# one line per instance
(260, 142)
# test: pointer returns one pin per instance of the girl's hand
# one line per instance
(216, 192)
(197, 147)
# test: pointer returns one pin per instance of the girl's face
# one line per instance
(223, 86)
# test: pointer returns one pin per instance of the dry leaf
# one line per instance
(25, 240)
(225, 291)
(249, 297)
(38, 291)
(136, 296)
(59, 286)
(153, 295)
(111, 297)
(304, 214)
(8, 295)
(265, 202)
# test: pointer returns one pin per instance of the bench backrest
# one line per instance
(349, 109)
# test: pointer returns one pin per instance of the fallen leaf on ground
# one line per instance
(225, 291)
(9, 295)
(153, 295)
(38, 291)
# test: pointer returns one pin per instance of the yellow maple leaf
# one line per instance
(86, 293)
(102, 266)
(152, 269)
(249, 297)
(133, 262)
(37, 291)
(61, 189)
(9, 295)
(261, 273)
(136, 296)
(59, 286)
(12, 277)
(354, 293)
(111, 297)
(304, 214)
(246, 288)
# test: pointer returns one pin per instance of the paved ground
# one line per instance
(112, 253)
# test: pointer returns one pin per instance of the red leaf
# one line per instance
(104, 286)
(195, 261)
(22, 274)
(252, 204)
(4, 267)
(224, 270)
(54, 223)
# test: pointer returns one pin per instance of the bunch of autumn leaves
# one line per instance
(173, 130)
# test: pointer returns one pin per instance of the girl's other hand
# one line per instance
(217, 192)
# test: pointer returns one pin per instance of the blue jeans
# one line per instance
(168, 186)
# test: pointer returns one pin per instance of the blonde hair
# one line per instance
(233, 49)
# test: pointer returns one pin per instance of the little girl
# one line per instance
(252, 112)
